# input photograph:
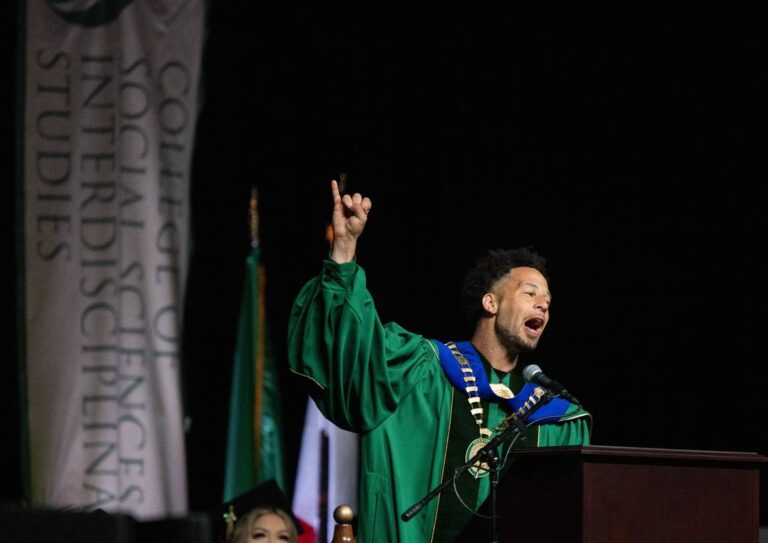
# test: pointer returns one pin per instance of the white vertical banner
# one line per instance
(310, 499)
(111, 103)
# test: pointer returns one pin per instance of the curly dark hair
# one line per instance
(489, 269)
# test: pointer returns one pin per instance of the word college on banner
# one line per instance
(111, 90)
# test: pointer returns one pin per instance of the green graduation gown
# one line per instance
(387, 384)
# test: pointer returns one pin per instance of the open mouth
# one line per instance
(535, 324)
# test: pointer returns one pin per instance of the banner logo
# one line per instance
(89, 13)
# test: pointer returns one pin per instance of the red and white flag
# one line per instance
(326, 476)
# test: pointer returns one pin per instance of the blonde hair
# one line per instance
(243, 525)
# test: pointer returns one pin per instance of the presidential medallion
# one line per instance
(479, 469)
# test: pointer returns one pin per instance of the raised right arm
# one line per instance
(355, 368)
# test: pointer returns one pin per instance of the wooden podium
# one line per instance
(601, 494)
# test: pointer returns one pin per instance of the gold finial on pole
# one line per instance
(253, 216)
(342, 532)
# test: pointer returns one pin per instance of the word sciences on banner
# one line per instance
(111, 92)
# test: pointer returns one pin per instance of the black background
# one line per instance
(626, 144)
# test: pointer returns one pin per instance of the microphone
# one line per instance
(533, 374)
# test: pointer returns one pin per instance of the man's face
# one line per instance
(522, 308)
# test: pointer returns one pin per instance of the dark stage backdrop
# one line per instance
(628, 147)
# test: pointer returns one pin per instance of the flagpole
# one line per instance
(253, 217)
(258, 333)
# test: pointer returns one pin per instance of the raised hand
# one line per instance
(350, 213)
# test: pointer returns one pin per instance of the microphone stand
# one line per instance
(489, 453)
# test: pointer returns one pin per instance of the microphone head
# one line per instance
(530, 372)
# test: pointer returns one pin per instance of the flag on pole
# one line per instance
(110, 102)
(254, 444)
(327, 474)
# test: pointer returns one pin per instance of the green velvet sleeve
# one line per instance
(355, 368)
(575, 429)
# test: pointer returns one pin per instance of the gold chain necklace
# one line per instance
(477, 470)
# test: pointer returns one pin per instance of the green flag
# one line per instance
(254, 444)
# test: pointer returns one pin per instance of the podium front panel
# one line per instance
(602, 494)
(676, 504)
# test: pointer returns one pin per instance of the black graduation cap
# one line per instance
(266, 494)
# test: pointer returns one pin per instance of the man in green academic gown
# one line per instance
(424, 407)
